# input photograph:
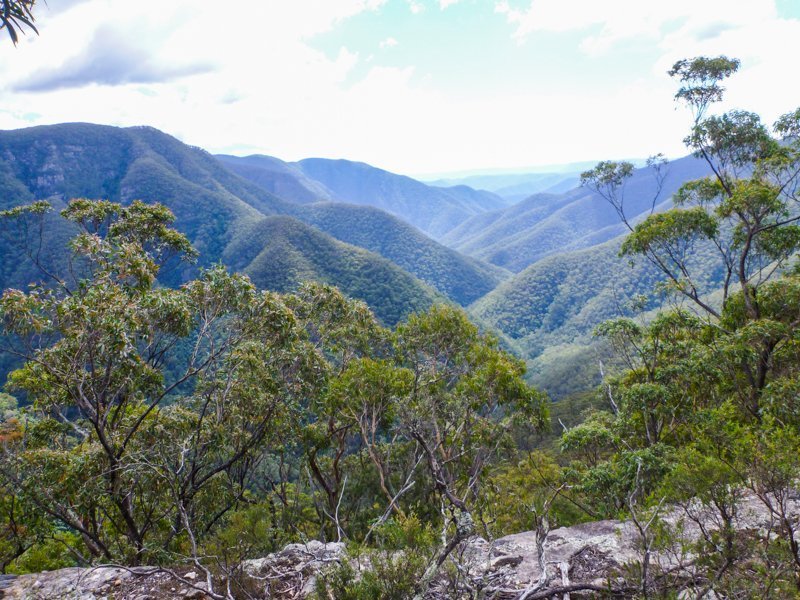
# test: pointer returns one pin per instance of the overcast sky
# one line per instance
(413, 86)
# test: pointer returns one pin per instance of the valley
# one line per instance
(280, 319)
(540, 272)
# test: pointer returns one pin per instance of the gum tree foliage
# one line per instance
(15, 16)
(158, 420)
(747, 211)
(132, 459)
(705, 413)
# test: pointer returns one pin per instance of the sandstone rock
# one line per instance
(587, 554)
(297, 566)
(67, 584)
(194, 595)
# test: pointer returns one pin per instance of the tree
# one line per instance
(465, 395)
(705, 413)
(746, 213)
(134, 457)
(158, 422)
(15, 16)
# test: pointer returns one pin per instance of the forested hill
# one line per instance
(458, 277)
(433, 210)
(213, 207)
(332, 229)
(278, 177)
(549, 310)
(545, 224)
(280, 253)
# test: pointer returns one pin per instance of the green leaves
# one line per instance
(736, 139)
(670, 230)
(15, 15)
(788, 125)
(704, 193)
(701, 77)
(607, 174)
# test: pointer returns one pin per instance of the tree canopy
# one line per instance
(16, 16)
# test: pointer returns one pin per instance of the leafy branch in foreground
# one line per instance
(15, 15)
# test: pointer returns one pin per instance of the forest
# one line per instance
(193, 388)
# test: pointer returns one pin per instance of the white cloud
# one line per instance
(415, 6)
(268, 90)
(443, 4)
(751, 31)
(620, 20)
(389, 42)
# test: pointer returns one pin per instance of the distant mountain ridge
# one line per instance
(458, 277)
(542, 273)
(546, 224)
(516, 186)
(433, 210)
(278, 177)
(213, 206)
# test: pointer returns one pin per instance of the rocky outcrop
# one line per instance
(75, 584)
(568, 562)
(290, 573)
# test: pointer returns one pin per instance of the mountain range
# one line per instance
(541, 272)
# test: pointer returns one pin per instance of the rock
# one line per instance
(6, 581)
(504, 561)
(68, 584)
(297, 566)
(587, 554)
(194, 595)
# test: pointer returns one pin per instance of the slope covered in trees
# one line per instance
(280, 253)
(433, 210)
(278, 177)
(460, 278)
(545, 224)
(550, 309)
(212, 206)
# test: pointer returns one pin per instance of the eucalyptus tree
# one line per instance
(746, 213)
(15, 16)
(464, 397)
(133, 456)
(707, 405)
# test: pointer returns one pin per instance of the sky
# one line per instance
(420, 87)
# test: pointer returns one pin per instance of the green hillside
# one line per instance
(140, 163)
(214, 207)
(276, 176)
(280, 253)
(548, 311)
(546, 224)
(458, 277)
(433, 210)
